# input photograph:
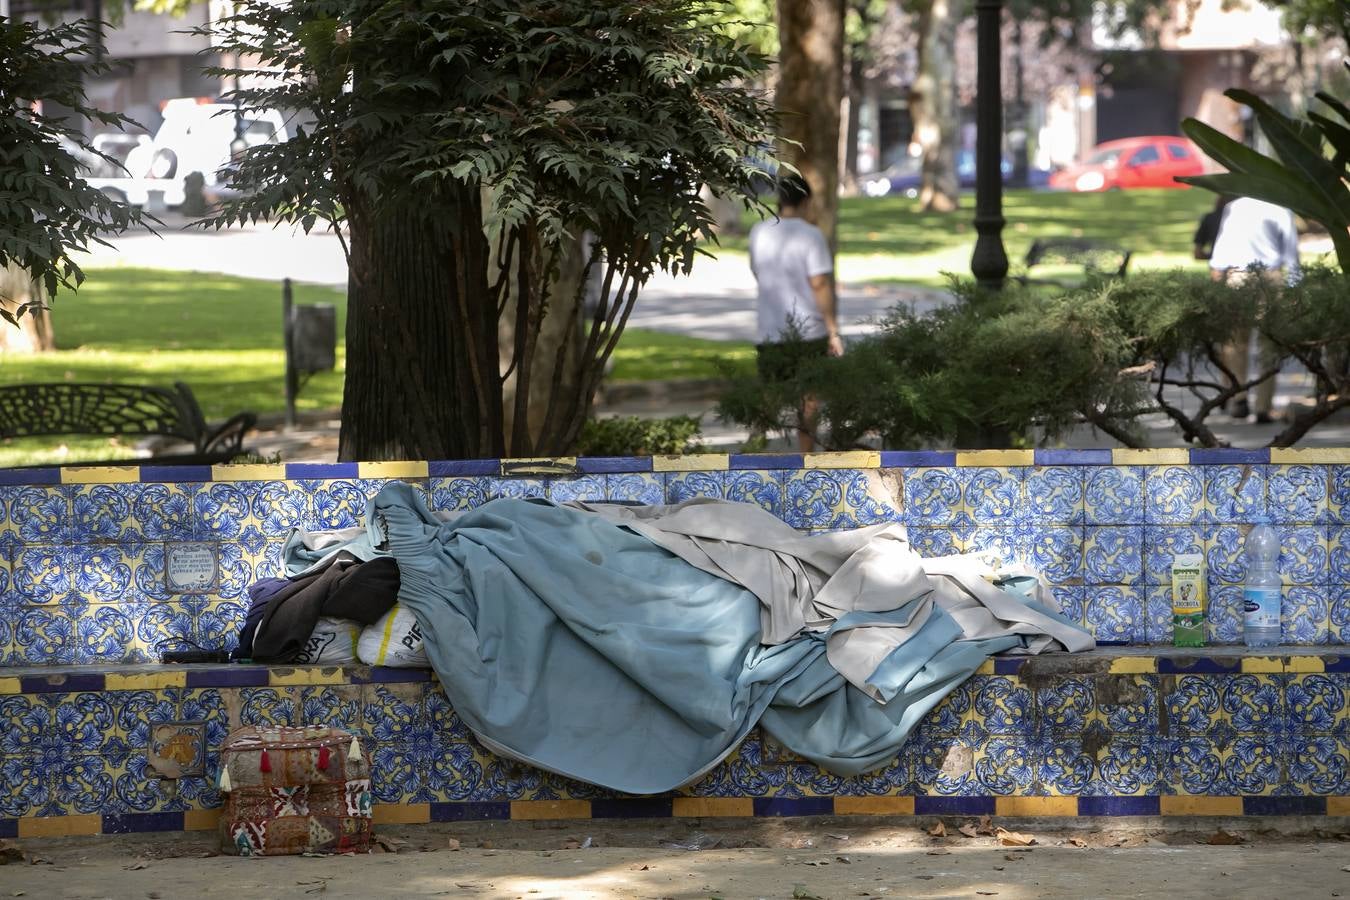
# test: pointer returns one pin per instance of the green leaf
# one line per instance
(1299, 146)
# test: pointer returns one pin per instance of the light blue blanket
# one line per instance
(582, 647)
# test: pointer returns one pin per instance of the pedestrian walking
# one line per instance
(796, 303)
(1254, 237)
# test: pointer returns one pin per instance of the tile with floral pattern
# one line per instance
(1305, 615)
(1173, 495)
(1112, 613)
(764, 489)
(1234, 493)
(1054, 494)
(933, 497)
(647, 488)
(1297, 494)
(1113, 554)
(1303, 554)
(1339, 614)
(1114, 495)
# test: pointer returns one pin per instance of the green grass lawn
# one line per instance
(222, 335)
(887, 239)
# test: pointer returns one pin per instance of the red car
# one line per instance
(1137, 162)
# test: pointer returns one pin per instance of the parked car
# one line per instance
(906, 176)
(1137, 162)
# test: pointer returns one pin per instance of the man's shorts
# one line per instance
(782, 361)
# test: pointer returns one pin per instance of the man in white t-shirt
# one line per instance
(1254, 233)
(796, 308)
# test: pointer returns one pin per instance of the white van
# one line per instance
(195, 136)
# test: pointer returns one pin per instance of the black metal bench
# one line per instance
(61, 408)
(1094, 257)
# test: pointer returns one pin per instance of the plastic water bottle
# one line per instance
(1261, 594)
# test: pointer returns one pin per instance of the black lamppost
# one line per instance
(989, 262)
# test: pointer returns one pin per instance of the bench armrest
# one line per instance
(228, 437)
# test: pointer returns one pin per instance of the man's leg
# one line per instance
(1234, 356)
(1267, 354)
(808, 416)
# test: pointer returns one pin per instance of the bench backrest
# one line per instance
(1092, 255)
(61, 408)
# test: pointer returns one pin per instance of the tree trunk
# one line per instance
(933, 105)
(810, 90)
(853, 107)
(422, 378)
(34, 333)
(559, 341)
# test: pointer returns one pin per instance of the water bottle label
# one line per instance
(1261, 607)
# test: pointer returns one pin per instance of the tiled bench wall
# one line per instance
(1113, 732)
(82, 550)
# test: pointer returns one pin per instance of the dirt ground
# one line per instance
(827, 859)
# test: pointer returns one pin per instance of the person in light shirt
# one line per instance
(1254, 233)
(796, 303)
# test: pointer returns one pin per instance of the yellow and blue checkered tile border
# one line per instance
(704, 462)
(716, 807)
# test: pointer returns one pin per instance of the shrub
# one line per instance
(1023, 367)
(631, 436)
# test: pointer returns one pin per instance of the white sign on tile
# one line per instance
(190, 567)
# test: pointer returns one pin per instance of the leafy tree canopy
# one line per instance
(48, 213)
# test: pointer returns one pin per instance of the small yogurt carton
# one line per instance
(1188, 600)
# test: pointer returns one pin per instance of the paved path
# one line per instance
(716, 301)
(806, 859)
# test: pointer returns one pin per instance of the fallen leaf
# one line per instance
(1013, 838)
(10, 852)
(924, 877)
(817, 862)
(969, 829)
(452, 844)
(487, 845)
(843, 859)
(938, 829)
(131, 868)
(986, 825)
(391, 845)
(571, 845)
(1010, 857)
(837, 837)
(1223, 838)
(987, 893)
(1078, 842)
(1345, 868)
(639, 868)
(152, 895)
(799, 892)
(939, 853)
(999, 868)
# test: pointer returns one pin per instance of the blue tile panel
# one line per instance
(953, 806)
(1198, 725)
(1118, 806)
(469, 811)
(128, 823)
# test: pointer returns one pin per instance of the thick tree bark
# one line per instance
(933, 105)
(34, 333)
(810, 90)
(422, 374)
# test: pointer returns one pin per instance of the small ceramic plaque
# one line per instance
(190, 567)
